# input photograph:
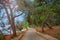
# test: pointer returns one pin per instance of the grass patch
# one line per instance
(1, 36)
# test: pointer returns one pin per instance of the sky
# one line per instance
(20, 18)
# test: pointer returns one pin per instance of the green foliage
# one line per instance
(39, 14)
(1, 36)
(56, 6)
(20, 4)
(58, 37)
(40, 10)
(25, 24)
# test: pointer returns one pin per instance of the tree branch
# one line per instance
(18, 15)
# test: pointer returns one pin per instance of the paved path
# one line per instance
(32, 35)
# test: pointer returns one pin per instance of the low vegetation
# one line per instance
(1, 36)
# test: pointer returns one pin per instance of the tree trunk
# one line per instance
(11, 20)
(42, 27)
(49, 26)
(13, 27)
(12, 23)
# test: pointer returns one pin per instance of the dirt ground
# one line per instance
(55, 32)
(9, 37)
